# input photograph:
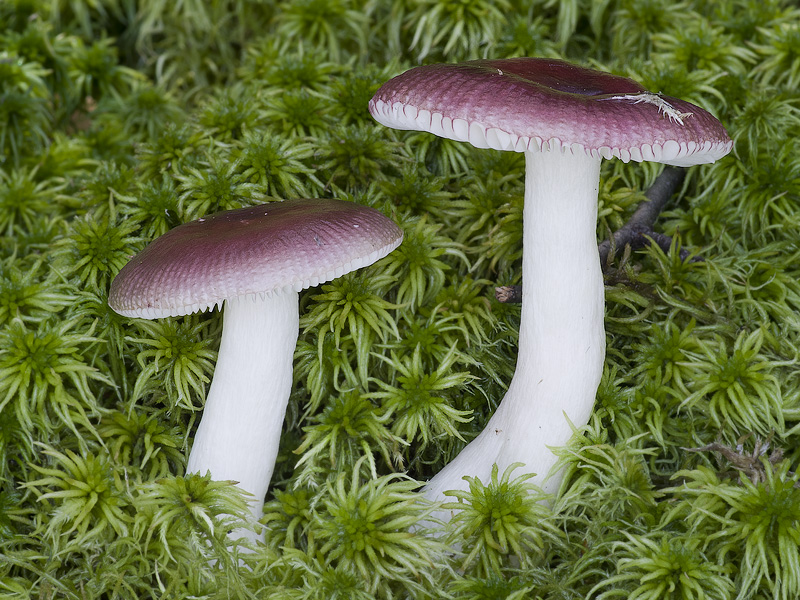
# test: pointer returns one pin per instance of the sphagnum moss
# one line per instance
(120, 120)
(500, 522)
(351, 426)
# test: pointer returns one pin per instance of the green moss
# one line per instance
(121, 119)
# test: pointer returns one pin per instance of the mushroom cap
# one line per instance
(266, 249)
(523, 104)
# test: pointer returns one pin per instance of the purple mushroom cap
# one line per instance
(263, 249)
(524, 104)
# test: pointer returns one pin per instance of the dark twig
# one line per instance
(751, 464)
(636, 233)
(509, 293)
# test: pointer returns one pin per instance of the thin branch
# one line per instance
(636, 233)
(752, 465)
(639, 228)
(509, 293)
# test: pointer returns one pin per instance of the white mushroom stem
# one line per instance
(238, 436)
(561, 336)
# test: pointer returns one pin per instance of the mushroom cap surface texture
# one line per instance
(266, 249)
(530, 104)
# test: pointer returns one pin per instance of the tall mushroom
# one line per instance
(255, 260)
(565, 119)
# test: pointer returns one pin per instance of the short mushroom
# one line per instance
(565, 119)
(255, 260)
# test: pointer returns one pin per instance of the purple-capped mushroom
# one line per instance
(566, 119)
(254, 260)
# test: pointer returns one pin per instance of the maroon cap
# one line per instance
(266, 249)
(523, 104)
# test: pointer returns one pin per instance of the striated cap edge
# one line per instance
(257, 251)
(539, 105)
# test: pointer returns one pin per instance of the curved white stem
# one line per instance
(561, 337)
(240, 430)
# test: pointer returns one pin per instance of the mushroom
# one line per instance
(255, 260)
(565, 119)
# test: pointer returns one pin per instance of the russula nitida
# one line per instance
(255, 260)
(566, 119)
